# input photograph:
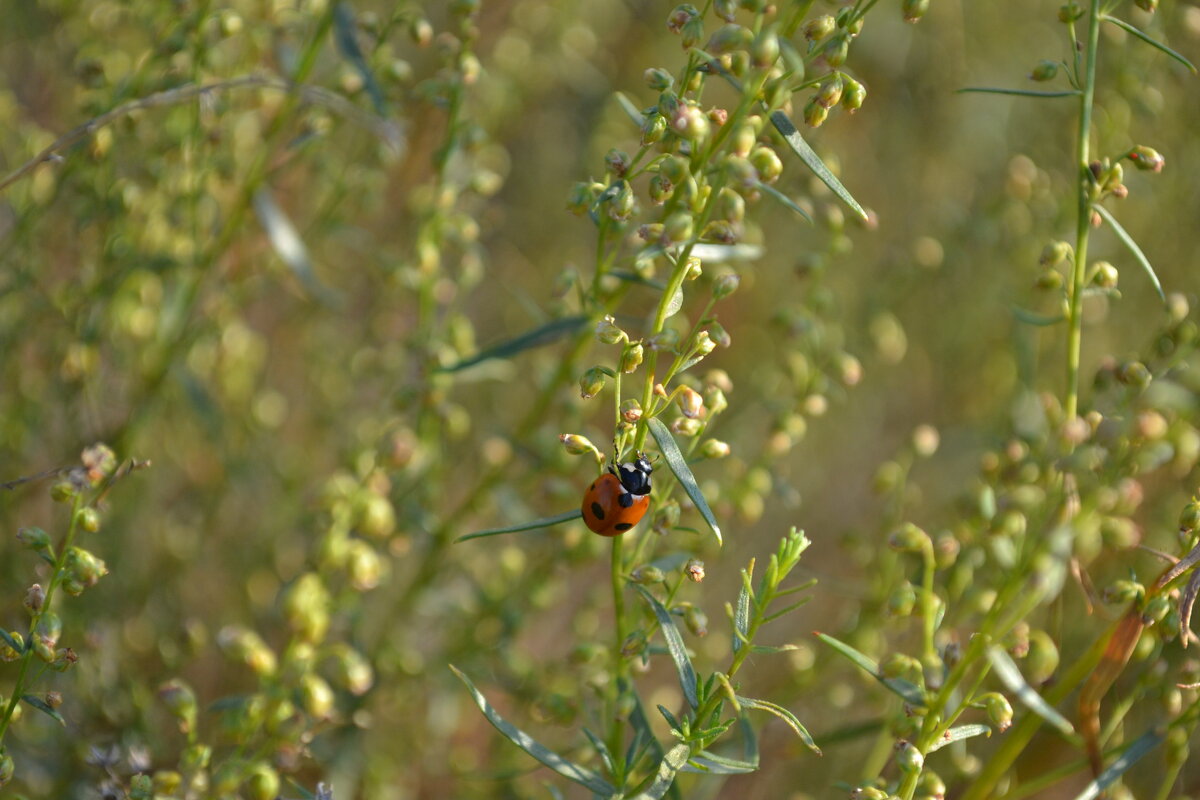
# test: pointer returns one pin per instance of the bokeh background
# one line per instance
(143, 304)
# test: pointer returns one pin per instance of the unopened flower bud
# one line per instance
(678, 228)
(1149, 6)
(351, 670)
(1045, 70)
(617, 161)
(1147, 159)
(666, 517)
(647, 574)
(694, 569)
(908, 758)
(768, 164)
(696, 621)
(620, 207)
(608, 332)
(765, 50)
(829, 94)
(1189, 518)
(837, 49)
(634, 644)
(814, 113)
(180, 700)
(1070, 12)
(631, 357)
(902, 599)
(8, 768)
(658, 79)
(681, 15)
(262, 783)
(1156, 609)
(591, 383)
(1054, 254)
(819, 28)
(682, 426)
(316, 697)
(703, 344)
(35, 598)
(690, 402)
(999, 710)
(1123, 591)
(728, 38)
(853, 94)
(88, 519)
(714, 448)
(868, 793)
(909, 539)
(246, 646)
(913, 10)
(64, 659)
(1134, 373)
(689, 122)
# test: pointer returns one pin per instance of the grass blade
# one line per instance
(958, 734)
(671, 763)
(44, 707)
(1017, 92)
(1137, 33)
(629, 108)
(1011, 677)
(1128, 241)
(906, 690)
(683, 473)
(783, 198)
(683, 664)
(544, 522)
(539, 336)
(812, 160)
(347, 44)
(783, 714)
(290, 247)
(1140, 747)
(570, 770)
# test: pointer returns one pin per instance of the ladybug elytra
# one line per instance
(618, 499)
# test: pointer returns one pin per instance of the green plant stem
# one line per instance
(619, 665)
(1083, 212)
(55, 579)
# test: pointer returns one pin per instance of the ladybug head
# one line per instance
(635, 475)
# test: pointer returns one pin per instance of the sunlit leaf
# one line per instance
(290, 247)
(959, 733)
(910, 692)
(347, 43)
(683, 473)
(545, 522)
(813, 161)
(675, 303)
(542, 335)
(1133, 248)
(783, 714)
(683, 664)
(671, 763)
(44, 707)
(784, 199)
(741, 617)
(1138, 748)
(1010, 676)
(706, 762)
(721, 253)
(1140, 34)
(769, 650)
(570, 770)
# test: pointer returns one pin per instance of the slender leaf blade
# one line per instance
(1017, 92)
(1010, 676)
(44, 707)
(347, 44)
(290, 248)
(630, 109)
(1132, 246)
(812, 160)
(1137, 33)
(671, 763)
(712, 764)
(544, 522)
(1138, 748)
(741, 617)
(542, 335)
(1034, 318)
(785, 715)
(683, 473)
(10, 641)
(784, 199)
(769, 650)
(957, 734)
(683, 664)
(906, 690)
(601, 749)
(643, 738)
(568, 769)
(722, 253)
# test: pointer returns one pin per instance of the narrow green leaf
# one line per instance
(712, 764)
(788, 610)
(908, 691)
(683, 664)
(633, 277)
(784, 199)
(629, 108)
(741, 619)
(722, 253)
(10, 641)
(542, 335)
(347, 43)
(1128, 241)
(581, 775)
(670, 718)
(601, 749)
(958, 734)
(785, 715)
(1138, 748)
(1018, 92)
(1034, 318)
(545, 522)
(671, 763)
(675, 460)
(290, 247)
(44, 707)
(554, 792)
(643, 737)
(769, 651)
(749, 740)
(813, 161)
(1010, 676)
(675, 303)
(1140, 34)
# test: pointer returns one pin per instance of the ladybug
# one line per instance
(618, 499)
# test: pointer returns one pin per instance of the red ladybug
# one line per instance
(618, 499)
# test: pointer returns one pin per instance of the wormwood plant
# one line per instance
(38, 650)
(1058, 503)
(699, 168)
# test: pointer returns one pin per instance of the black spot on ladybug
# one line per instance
(592, 488)
(598, 510)
(625, 500)
(622, 526)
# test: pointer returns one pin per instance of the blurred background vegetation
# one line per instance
(149, 299)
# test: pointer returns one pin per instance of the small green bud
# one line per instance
(868, 793)
(1049, 280)
(583, 194)
(678, 228)
(714, 399)
(913, 10)
(634, 644)
(35, 539)
(1045, 70)
(658, 79)
(608, 332)
(617, 162)
(714, 448)
(694, 569)
(1147, 159)
(364, 568)
(689, 122)
(838, 48)
(1054, 254)
(908, 758)
(1189, 518)
(141, 787)
(768, 164)
(909, 539)
(62, 491)
(814, 113)
(1156, 609)
(1134, 373)
(180, 700)
(1042, 658)
(1123, 591)
(9, 654)
(631, 357)
(819, 28)
(83, 569)
(660, 189)
(902, 599)
(577, 445)
(674, 169)
(48, 631)
(899, 665)
(620, 207)
(683, 426)
(728, 38)
(351, 670)
(718, 334)
(765, 50)
(653, 129)
(35, 598)
(316, 697)
(1149, 6)
(591, 383)
(853, 94)
(7, 767)
(681, 15)
(696, 621)
(64, 659)
(1070, 12)
(998, 709)
(829, 94)
(647, 574)
(690, 402)
(246, 646)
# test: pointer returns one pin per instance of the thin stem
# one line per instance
(1083, 213)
